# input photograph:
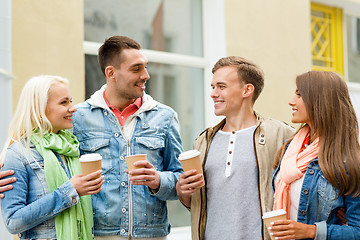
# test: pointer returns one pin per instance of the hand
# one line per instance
(289, 229)
(189, 182)
(341, 214)
(4, 183)
(88, 184)
(147, 175)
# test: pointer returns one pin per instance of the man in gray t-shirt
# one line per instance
(237, 157)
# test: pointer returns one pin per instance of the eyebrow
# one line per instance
(139, 64)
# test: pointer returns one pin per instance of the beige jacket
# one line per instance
(269, 136)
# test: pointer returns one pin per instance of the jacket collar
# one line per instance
(212, 130)
(97, 101)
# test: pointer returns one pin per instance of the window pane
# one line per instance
(353, 43)
(165, 25)
(182, 89)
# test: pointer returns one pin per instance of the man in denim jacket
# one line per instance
(120, 120)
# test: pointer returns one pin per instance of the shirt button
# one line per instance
(262, 140)
(122, 117)
(311, 171)
(306, 191)
(123, 231)
(123, 184)
(262, 135)
(233, 132)
(116, 134)
(122, 158)
(228, 163)
(105, 113)
(230, 152)
(231, 142)
(73, 200)
(123, 210)
(303, 212)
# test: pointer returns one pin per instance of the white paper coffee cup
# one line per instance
(272, 216)
(90, 162)
(191, 160)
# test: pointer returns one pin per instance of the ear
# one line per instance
(109, 72)
(248, 90)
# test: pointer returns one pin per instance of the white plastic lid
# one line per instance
(188, 154)
(274, 213)
(90, 157)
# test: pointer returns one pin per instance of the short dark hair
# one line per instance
(110, 51)
(248, 72)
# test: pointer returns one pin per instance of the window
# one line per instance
(353, 47)
(327, 42)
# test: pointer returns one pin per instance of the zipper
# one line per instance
(127, 153)
(130, 193)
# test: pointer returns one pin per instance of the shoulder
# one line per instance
(276, 125)
(17, 152)
(82, 106)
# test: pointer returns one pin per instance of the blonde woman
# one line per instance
(49, 197)
(318, 170)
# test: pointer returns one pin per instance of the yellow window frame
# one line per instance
(327, 38)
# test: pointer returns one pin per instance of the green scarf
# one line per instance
(75, 222)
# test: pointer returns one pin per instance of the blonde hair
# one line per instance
(30, 115)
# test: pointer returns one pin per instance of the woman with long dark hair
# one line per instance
(317, 172)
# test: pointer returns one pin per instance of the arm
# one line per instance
(5, 182)
(169, 175)
(352, 229)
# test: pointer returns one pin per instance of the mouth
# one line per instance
(141, 85)
(68, 117)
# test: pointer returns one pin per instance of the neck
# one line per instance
(244, 119)
(117, 101)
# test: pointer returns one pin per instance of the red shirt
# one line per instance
(127, 112)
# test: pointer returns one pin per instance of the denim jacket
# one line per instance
(319, 202)
(29, 209)
(121, 208)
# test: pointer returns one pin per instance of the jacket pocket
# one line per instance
(99, 145)
(328, 197)
(153, 147)
(150, 142)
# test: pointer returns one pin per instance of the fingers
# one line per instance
(7, 181)
(92, 175)
(144, 163)
(6, 173)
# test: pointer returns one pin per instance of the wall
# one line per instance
(276, 36)
(47, 38)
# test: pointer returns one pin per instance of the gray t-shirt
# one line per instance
(233, 207)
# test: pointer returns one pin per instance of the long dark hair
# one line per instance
(333, 120)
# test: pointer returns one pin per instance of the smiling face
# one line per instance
(300, 114)
(227, 92)
(131, 75)
(59, 109)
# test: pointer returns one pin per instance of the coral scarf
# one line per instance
(293, 166)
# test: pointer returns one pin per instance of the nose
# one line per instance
(145, 75)
(72, 108)
(292, 102)
(214, 93)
